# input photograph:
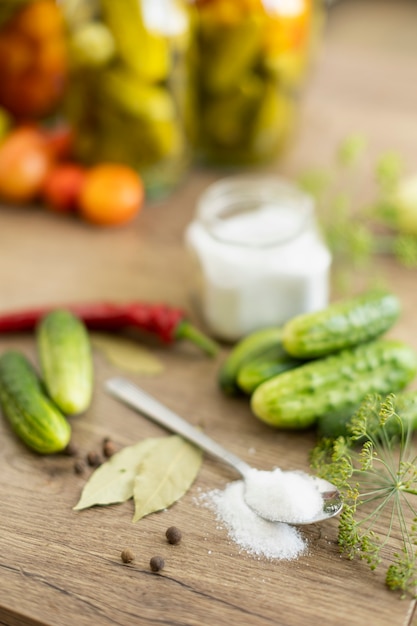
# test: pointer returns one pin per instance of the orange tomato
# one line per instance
(24, 165)
(62, 187)
(111, 195)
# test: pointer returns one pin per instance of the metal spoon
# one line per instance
(136, 398)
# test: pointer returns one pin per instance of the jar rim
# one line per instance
(234, 195)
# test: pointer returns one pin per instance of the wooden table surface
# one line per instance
(59, 567)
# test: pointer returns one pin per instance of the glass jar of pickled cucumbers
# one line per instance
(128, 86)
(251, 59)
(33, 58)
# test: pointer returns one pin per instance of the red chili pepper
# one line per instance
(167, 323)
(98, 316)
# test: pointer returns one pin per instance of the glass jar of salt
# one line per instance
(258, 256)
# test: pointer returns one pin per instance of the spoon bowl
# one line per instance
(328, 500)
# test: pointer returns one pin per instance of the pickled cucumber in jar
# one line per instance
(129, 86)
(252, 57)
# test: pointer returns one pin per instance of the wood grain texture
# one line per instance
(59, 567)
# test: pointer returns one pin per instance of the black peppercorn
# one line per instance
(93, 459)
(173, 535)
(157, 563)
(79, 466)
(127, 555)
(108, 447)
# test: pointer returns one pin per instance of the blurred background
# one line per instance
(160, 85)
(163, 84)
(169, 88)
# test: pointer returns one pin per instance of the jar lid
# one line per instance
(255, 211)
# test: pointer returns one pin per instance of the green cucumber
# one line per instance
(66, 360)
(31, 414)
(296, 399)
(336, 424)
(341, 325)
(244, 351)
(272, 361)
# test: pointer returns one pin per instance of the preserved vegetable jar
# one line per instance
(250, 60)
(258, 257)
(128, 93)
(33, 58)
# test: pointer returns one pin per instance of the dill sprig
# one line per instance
(358, 211)
(375, 469)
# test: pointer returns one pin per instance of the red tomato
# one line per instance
(111, 195)
(24, 165)
(62, 187)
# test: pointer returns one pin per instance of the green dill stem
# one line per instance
(407, 540)
(384, 244)
(389, 466)
(376, 513)
(394, 508)
(405, 442)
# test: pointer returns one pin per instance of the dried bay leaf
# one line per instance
(113, 481)
(126, 354)
(166, 473)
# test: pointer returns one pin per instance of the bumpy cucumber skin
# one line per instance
(296, 399)
(341, 325)
(247, 349)
(66, 360)
(30, 413)
(333, 425)
(272, 361)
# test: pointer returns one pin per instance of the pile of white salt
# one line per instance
(292, 497)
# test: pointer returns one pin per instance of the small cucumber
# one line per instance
(247, 349)
(272, 361)
(66, 360)
(29, 411)
(296, 399)
(335, 424)
(341, 325)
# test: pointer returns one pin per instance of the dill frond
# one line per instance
(375, 470)
(359, 231)
(405, 250)
(402, 573)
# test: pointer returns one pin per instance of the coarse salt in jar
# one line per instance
(258, 255)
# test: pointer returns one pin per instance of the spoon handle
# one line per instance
(136, 398)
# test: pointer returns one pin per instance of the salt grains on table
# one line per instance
(289, 496)
(257, 536)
